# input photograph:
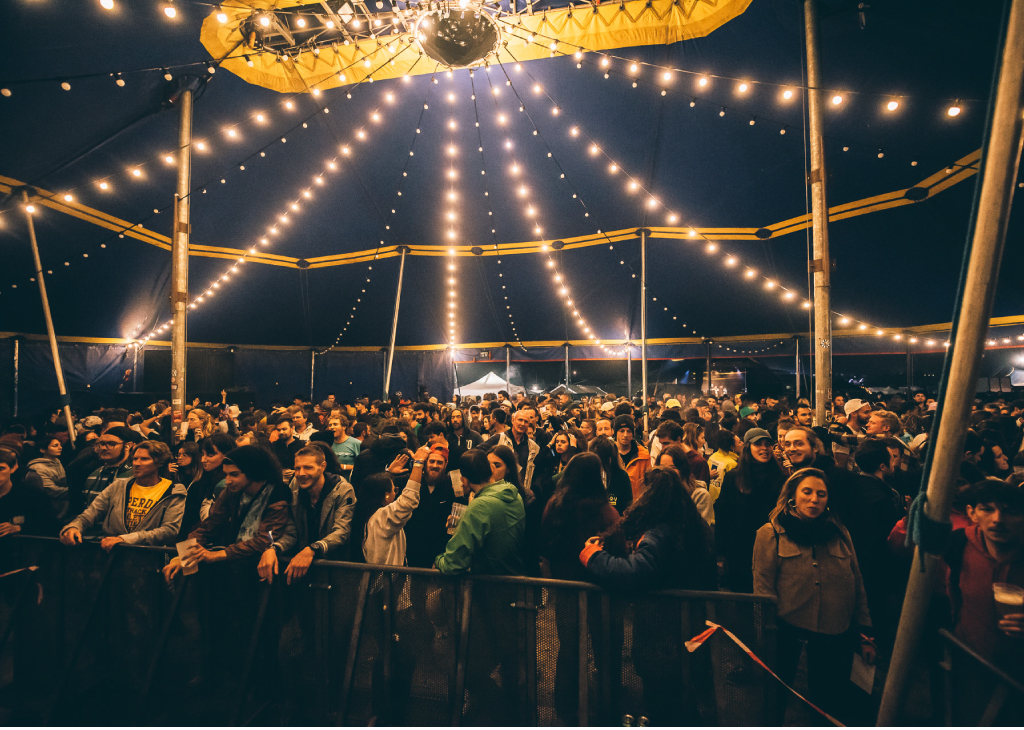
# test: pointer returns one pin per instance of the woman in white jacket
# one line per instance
(47, 465)
(385, 515)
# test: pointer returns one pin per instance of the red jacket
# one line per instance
(638, 468)
(970, 594)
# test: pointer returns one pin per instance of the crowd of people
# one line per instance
(739, 494)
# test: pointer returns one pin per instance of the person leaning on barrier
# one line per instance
(804, 558)
(254, 506)
(145, 509)
(24, 506)
(489, 537)
(322, 507)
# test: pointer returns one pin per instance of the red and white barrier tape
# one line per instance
(695, 643)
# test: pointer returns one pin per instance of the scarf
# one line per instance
(251, 522)
(808, 532)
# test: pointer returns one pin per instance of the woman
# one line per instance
(51, 472)
(804, 558)
(551, 461)
(380, 515)
(661, 542)
(694, 442)
(749, 492)
(505, 466)
(674, 458)
(200, 425)
(188, 465)
(613, 473)
(204, 490)
(578, 509)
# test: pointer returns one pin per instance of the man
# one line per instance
(419, 415)
(883, 423)
(635, 457)
(322, 507)
(145, 509)
(518, 439)
(301, 424)
(489, 537)
(362, 408)
(254, 507)
(344, 446)
(426, 532)
(24, 506)
(804, 416)
(286, 446)
(974, 447)
(604, 428)
(499, 421)
(847, 437)
(114, 451)
(461, 438)
(989, 551)
(588, 427)
(667, 434)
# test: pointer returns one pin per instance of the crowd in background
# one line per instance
(739, 494)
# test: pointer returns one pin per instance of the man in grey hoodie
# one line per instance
(144, 509)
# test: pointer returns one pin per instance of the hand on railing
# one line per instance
(71, 536)
(108, 543)
(267, 567)
(299, 565)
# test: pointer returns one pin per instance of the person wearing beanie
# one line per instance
(635, 457)
(114, 449)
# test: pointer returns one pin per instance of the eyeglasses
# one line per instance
(109, 444)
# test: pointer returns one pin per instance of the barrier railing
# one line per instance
(109, 643)
(977, 692)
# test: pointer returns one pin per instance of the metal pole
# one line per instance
(821, 264)
(977, 291)
(910, 369)
(644, 233)
(707, 369)
(394, 322)
(312, 373)
(508, 370)
(135, 367)
(65, 401)
(796, 341)
(566, 367)
(179, 259)
(17, 346)
(629, 369)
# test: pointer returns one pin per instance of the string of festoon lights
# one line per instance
(730, 260)
(450, 214)
(389, 216)
(283, 219)
(232, 133)
(490, 213)
(532, 216)
(200, 144)
(703, 80)
(576, 195)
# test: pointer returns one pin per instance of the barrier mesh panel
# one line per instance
(354, 644)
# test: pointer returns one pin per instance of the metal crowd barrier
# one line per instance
(978, 693)
(97, 638)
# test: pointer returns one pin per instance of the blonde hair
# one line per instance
(207, 428)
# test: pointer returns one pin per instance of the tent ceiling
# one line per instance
(895, 267)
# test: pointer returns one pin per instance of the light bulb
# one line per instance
(837, 100)
(222, 17)
(107, 4)
(170, 11)
(892, 106)
(301, 22)
(787, 94)
(742, 88)
(953, 110)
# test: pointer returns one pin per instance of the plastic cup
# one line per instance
(1009, 598)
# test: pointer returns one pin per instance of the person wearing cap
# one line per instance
(749, 493)
(114, 451)
(847, 437)
(635, 457)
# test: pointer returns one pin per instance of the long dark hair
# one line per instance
(681, 464)
(508, 456)
(579, 498)
(608, 453)
(372, 491)
(188, 474)
(664, 502)
(745, 468)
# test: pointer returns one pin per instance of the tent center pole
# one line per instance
(566, 367)
(508, 370)
(820, 265)
(394, 321)
(65, 400)
(179, 259)
(644, 233)
(998, 175)
(796, 342)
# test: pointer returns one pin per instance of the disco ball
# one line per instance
(457, 37)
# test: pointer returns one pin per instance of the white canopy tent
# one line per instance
(489, 383)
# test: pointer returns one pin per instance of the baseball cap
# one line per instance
(609, 406)
(728, 405)
(673, 403)
(854, 405)
(756, 434)
(746, 411)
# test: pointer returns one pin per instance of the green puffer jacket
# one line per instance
(489, 539)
